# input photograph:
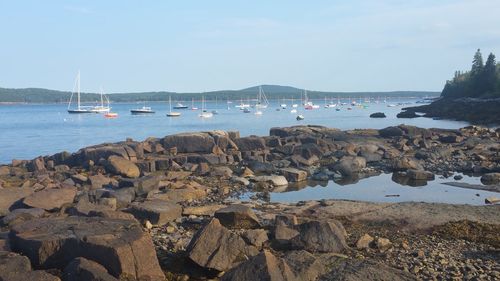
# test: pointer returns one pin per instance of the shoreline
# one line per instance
(171, 200)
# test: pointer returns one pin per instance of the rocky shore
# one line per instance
(476, 111)
(168, 209)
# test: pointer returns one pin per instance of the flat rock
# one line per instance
(82, 269)
(51, 199)
(158, 212)
(215, 247)
(121, 166)
(237, 216)
(119, 245)
(255, 237)
(9, 196)
(190, 142)
(420, 175)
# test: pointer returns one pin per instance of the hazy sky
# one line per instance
(125, 46)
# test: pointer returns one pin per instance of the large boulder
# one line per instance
(121, 166)
(119, 245)
(264, 267)
(189, 142)
(251, 143)
(293, 174)
(275, 180)
(320, 236)
(378, 115)
(51, 199)
(96, 153)
(491, 178)
(215, 247)
(82, 269)
(390, 132)
(349, 165)
(14, 267)
(9, 196)
(405, 163)
(158, 212)
(237, 216)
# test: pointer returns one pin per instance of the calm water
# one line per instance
(377, 188)
(27, 131)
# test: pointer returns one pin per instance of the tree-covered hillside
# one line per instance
(482, 81)
(36, 95)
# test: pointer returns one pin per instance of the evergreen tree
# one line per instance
(490, 76)
(477, 63)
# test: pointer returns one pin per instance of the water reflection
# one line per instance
(381, 188)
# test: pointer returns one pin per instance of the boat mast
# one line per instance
(78, 89)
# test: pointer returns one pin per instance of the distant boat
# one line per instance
(180, 106)
(79, 109)
(309, 105)
(204, 113)
(170, 113)
(143, 110)
(258, 112)
(262, 101)
(300, 117)
(246, 110)
(293, 111)
(192, 105)
(111, 115)
(102, 108)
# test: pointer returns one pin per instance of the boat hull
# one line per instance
(136, 112)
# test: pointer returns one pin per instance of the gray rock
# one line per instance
(158, 212)
(82, 269)
(264, 267)
(320, 236)
(215, 247)
(119, 245)
(14, 267)
(9, 196)
(419, 175)
(491, 179)
(51, 199)
(349, 165)
(293, 174)
(237, 216)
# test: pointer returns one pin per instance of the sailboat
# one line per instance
(215, 112)
(308, 105)
(102, 108)
(204, 113)
(170, 113)
(262, 101)
(192, 105)
(79, 108)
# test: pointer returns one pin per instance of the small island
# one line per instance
(472, 96)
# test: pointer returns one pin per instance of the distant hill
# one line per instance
(38, 95)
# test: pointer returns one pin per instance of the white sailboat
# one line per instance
(170, 113)
(102, 108)
(204, 113)
(262, 101)
(79, 108)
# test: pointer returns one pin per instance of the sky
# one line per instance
(195, 46)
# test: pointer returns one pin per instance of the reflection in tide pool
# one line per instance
(383, 188)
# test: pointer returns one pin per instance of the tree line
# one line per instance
(481, 81)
